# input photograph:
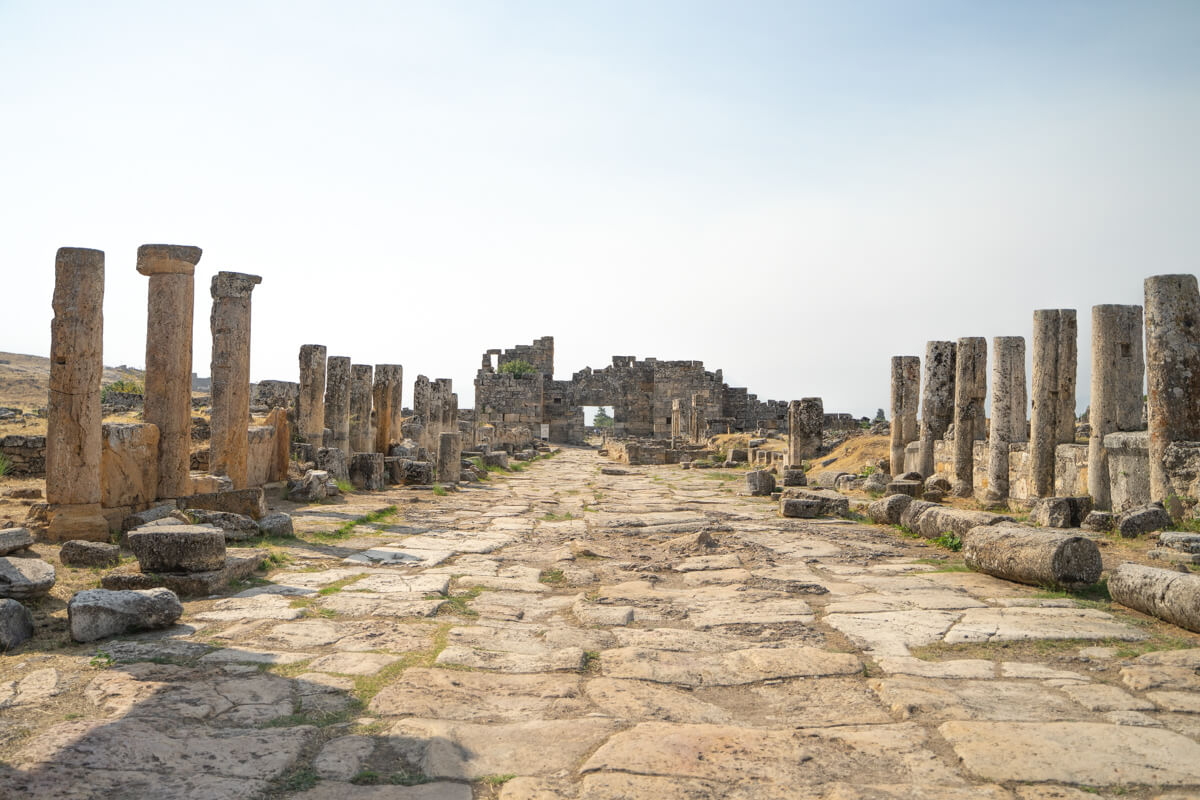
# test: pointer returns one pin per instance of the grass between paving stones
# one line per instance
(338, 585)
(1041, 648)
(456, 604)
(549, 517)
(367, 686)
(347, 528)
(311, 610)
(438, 490)
(551, 577)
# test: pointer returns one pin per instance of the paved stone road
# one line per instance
(560, 633)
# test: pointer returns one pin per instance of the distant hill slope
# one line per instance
(25, 380)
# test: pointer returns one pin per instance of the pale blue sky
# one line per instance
(792, 192)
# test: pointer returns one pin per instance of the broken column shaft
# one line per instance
(337, 403)
(1172, 373)
(361, 440)
(806, 419)
(387, 396)
(230, 325)
(1055, 345)
(970, 393)
(937, 402)
(1008, 411)
(310, 413)
(1117, 374)
(905, 401)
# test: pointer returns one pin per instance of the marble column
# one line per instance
(1172, 374)
(361, 440)
(905, 402)
(230, 324)
(1008, 412)
(168, 392)
(937, 402)
(1118, 371)
(73, 416)
(337, 403)
(970, 393)
(310, 412)
(1052, 422)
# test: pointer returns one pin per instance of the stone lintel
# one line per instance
(167, 259)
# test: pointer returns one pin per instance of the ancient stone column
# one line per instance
(905, 401)
(1172, 373)
(970, 393)
(1008, 411)
(422, 407)
(168, 390)
(396, 404)
(449, 457)
(361, 440)
(337, 403)
(73, 416)
(1055, 345)
(937, 403)
(386, 398)
(806, 420)
(1117, 374)
(310, 413)
(230, 325)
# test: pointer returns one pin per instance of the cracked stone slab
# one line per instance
(909, 697)
(1104, 697)
(891, 633)
(338, 790)
(977, 668)
(399, 556)
(248, 655)
(1019, 624)
(374, 604)
(481, 696)
(724, 669)
(239, 609)
(401, 584)
(567, 658)
(353, 663)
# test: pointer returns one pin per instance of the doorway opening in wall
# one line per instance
(597, 421)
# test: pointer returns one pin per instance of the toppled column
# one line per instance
(230, 325)
(1008, 411)
(73, 416)
(310, 414)
(1036, 556)
(1117, 374)
(970, 393)
(1164, 593)
(337, 404)
(168, 389)
(937, 403)
(385, 396)
(1172, 373)
(361, 440)
(906, 400)
(1055, 345)
(806, 419)
(449, 457)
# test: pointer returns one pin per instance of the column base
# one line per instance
(83, 521)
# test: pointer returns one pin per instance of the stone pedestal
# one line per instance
(310, 414)
(806, 419)
(361, 440)
(73, 434)
(970, 394)
(168, 391)
(1117, 374)
(449, 458)
(388, 398)
(1172, 373)
(1055, 345)
(337, 404)
(937, 402)
(230, 324)
(905, 401)
(1008, 412)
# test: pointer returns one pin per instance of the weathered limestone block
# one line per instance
(1181, 461)
(794, 477)
(1055, 346)
(250, 502)
(14, 539)
(1099, 522)
(1128, 469)
(905, 402)
(311, 487)
(23, 578)
(278, 420)
(937, 402)
(760, 483)
(337, 405)
(261, 454)
(99, 613)
(940, 520)
(310, 413)
(237, 527)
(1118, 371)
(334, 461)
(78, 553)
(809, 503)
(910, 488)
(155, 513)
(73, 416)
(178, 548)
(361, 440)
(1147, 519)
(239, 563)
(449, 458)
(887, 510)
(1008, 413)
(1071, 469)
(876, 482)
(230, 325)
(388, 397)
(1172, 373)
(366, 471)
(1035, 556)
(1060, 512)
(278, 524)
(970, 394)
(26, 455)
(129, 465)
(806, 420)
(497, 459)
(415, 473)
(168, 386)
(16, 624)
(1164, 593)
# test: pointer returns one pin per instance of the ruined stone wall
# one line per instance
(540, 354)
(26, 454)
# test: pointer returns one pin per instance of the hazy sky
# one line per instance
(790, 191)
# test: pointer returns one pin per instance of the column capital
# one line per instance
(167, 259)
(233, 284)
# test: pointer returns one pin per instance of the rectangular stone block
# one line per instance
(249, 502)
(128, 465)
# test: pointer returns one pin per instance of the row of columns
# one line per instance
(74, 418)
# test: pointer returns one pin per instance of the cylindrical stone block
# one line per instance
(310, 414)
(1164, 593)
(168, 391)
(385, 397)
(1117, 375)
(1008, 411)
(73, 416)
(449, 457)
(905, 401)
(806, 420)
(970, 393)
(230, 325)
(937, 402)
(1172, 373)
(1036, 556)
(361, 440)
(337, 402)
(1052, 422)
